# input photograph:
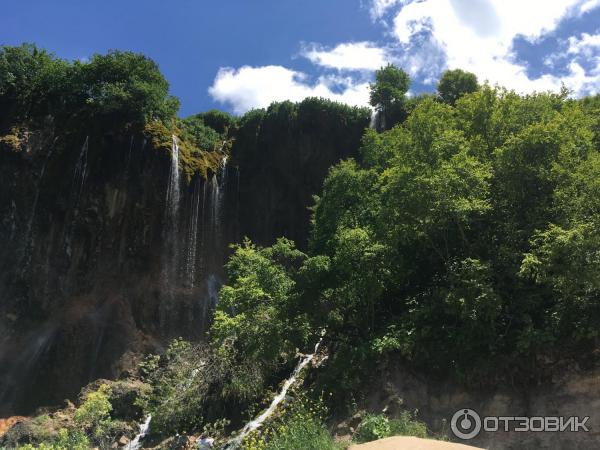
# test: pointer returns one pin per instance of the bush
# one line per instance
(373, 427)
(94, 414)
(300, 427)
(378, 426)
(73, 440)
(407, 425)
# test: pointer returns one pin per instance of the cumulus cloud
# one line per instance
(478, 35)
(425, 37)
(347, 56)
(588, 5)
(380, 7)
(257, 87)
(587, 45)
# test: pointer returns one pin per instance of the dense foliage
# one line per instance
(119, 86)
(463, 240)
(464, 237)
(388, 95)
(455, 83)
(90, 425)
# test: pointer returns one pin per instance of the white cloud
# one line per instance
(257, 87)
(477, 35)
(428, 36)
(380, 7)
(348, 56)
(588, 5)
(587, 45)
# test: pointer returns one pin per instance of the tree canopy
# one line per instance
(463, 240)
(388, 95)
(455, 83)
(121, 86)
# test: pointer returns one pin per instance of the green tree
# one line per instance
(32, 82)
(126, 85)
(388, 95)
(455, 83)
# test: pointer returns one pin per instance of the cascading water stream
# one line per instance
(172, 203)
(256, 423)
(80, 172)
(215, 200)
(28, 230)
(373, 121)
(144, 428)
(130, 152)
(217, 185)
(173, 192)
(190, 269)
(170, 255)
(79, 177)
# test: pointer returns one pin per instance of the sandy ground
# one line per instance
(410, 443)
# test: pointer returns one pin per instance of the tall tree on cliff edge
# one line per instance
(388, 96)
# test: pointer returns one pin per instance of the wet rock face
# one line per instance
(283, 158)
(96, 264)
(83, 263)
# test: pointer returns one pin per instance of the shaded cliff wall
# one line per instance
(283, 155)
(94, 267)
(88, 270)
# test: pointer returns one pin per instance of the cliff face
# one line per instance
(89, 269)
(284, 154)
(105, 253)
(566, 394)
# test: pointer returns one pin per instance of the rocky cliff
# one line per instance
(113, 240)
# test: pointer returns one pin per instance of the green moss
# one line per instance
(192, 160)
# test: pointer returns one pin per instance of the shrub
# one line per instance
(94, 414)
(300, 427)
(373, 427)
(378, 426)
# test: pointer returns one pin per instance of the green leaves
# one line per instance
(388, 95)
(122, 86)
(456, 83)
(468, 231)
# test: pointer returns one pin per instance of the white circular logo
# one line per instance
(465, 424)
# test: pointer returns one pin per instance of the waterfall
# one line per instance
(215, 203)
(223, 170)
(36, 346)
(373, 122)
(130, 151)
(173, 193)
(217, 185)
(80, 172)
(190, 268)
(256, 423)
(170, 258)
(79, 177)
(213, 285)
(144, 428)
(28, 230)
(203, 227)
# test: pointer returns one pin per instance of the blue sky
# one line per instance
(240, 54)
